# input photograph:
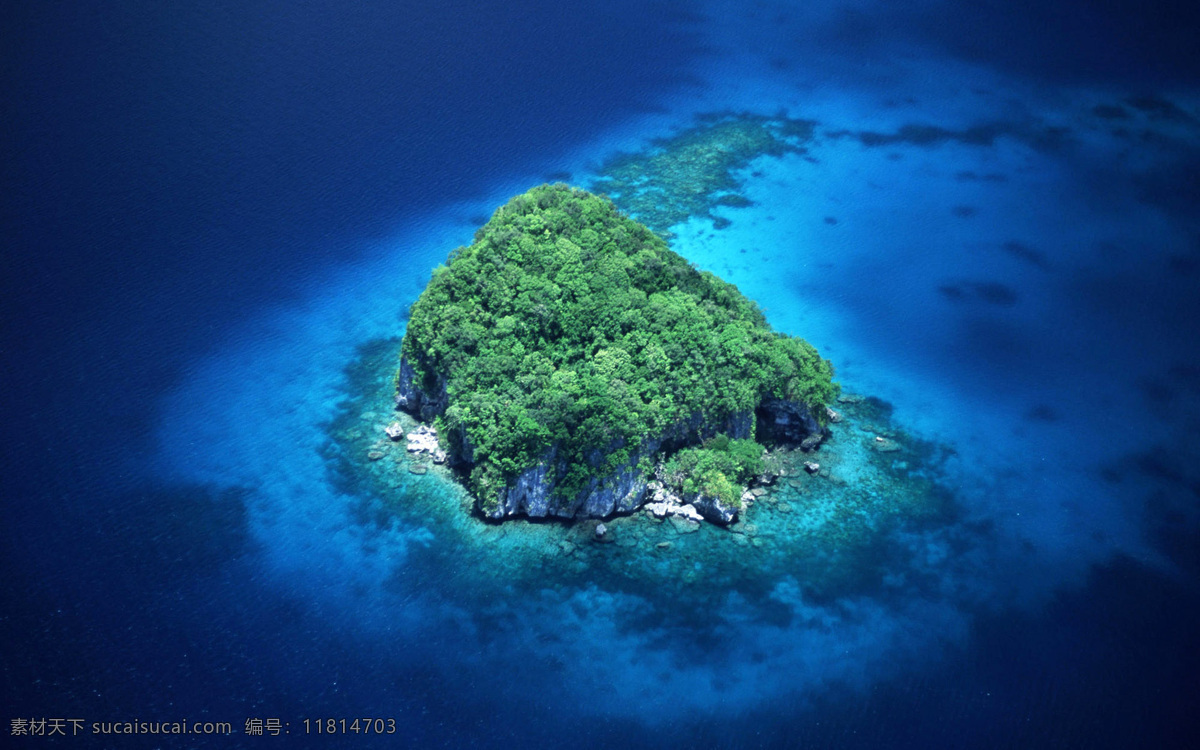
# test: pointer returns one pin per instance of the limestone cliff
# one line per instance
(532, 492)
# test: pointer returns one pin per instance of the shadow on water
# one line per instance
(991, 292)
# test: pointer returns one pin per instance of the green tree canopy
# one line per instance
(566, 322)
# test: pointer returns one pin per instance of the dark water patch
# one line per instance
(1110, 112)
(1175, 528)
(1182, 265)
(995, 293)
(1070, 41)
(968, 175)
(998, 349)
(991, 292)
(1159, 108)
(1043, 413)
(831, 220)
(1037, 135)
(1105, 665)
(158, 537)
(964, 212)
(733, 200)
(931, 135)
(1186, 375)
(478, 220)
(1157, 391)
(1175, 188)
(1026, 253)
(559, 176)
(1047, 138)
(1168, 466)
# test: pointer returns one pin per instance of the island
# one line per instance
(568, 364)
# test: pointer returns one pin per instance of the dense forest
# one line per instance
(568, 324)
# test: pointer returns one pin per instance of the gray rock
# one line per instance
(811, 442)
(422, 400)
(714, 510)
(532, 492)
(785, 421)
(684, 525)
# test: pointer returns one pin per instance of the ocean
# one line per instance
(216, 216)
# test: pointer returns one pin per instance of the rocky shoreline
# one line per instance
(532, 492)
(826, 528)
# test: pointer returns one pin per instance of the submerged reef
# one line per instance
(573, 365)
(696, 170)
(864, 512)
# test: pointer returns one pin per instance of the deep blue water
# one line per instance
(207, 208)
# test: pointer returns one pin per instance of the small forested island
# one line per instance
(572, 366)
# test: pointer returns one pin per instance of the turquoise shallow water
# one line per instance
(1002, 253)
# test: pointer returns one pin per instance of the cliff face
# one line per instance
(781, 421)
(532, 492)
(412, 398)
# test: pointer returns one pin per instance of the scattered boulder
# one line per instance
(811, 442)
(885, 445)
(833, 415)
(684, 525)
(374, 455)
(664, 503)
(812, 467)
(714, 510)
(394, 431)
(423, 440)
